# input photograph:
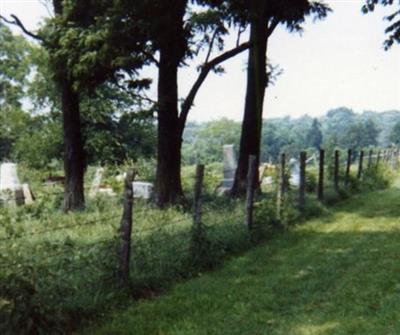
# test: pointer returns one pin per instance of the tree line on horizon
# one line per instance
(339, 128)
(88, 61)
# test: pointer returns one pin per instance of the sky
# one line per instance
(339, 61)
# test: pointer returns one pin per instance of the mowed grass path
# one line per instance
(336, 275)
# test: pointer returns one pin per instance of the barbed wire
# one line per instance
(63, 227)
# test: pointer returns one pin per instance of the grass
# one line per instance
(333, 275)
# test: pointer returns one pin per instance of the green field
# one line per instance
(334, 275)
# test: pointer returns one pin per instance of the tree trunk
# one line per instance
(252, 121)
(74, 155)
(168, 187)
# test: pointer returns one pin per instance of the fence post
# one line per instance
(360, 164)
(336, 172)
(250, 191)
(321, 175)
(348, 167)
(198, 187)
(378, 158)
(197, 231)
(302, 186)
(281, 186)
(126, 229)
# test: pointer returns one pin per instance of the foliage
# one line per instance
(274, 288)
(393, 30)
(203, 143)
(14, 71)
(394, 136)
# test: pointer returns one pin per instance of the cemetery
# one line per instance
(199, 167)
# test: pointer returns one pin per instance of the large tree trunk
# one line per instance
(74, 155)
(252, 121)
(168, 187)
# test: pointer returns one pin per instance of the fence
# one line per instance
(121, 250)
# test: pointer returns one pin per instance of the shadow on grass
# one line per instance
(376, 204)
(325, 283)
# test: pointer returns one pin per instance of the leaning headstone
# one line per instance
(294, 168)
(94, 188)
(11, 192)
(142, 189)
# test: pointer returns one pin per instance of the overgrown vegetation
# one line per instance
(59, 270)
(333, 275)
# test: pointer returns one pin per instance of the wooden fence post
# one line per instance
(396, 159)
(250, 191)
(126, 229)
(198, 236)
(336, 171)
(348, 167)
(360, 164)
(302, 186)
(198, 188)
(378, 158)
(321, 175)
(281, 186)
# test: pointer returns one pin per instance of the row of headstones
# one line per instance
(13, 192)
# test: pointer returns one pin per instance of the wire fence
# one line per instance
(164, 242)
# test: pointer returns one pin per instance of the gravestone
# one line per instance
(11, 192)
(229, 166)
(294, 168)
(142, 189)
(94, 188)
(28, 196)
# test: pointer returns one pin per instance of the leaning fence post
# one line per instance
(348, 167)
(360, 164)
(126, 229)
(321, 175)
(281, 186)
(336, 172)
(302, 186)
(251, 175)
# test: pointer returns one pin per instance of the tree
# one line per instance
(14, 70)
(86, 44)
(393, 30)
(263, 17)
(174, 32)
(394, 136)
(314, 135)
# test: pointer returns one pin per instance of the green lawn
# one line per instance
(336, 275)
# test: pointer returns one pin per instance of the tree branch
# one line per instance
(17, 22)
(211, 46)
(205, 70)
(272, 27)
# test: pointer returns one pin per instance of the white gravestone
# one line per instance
(11, 191)
(94, 188)
(142, 189)
(294, 168)
(229, 166)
